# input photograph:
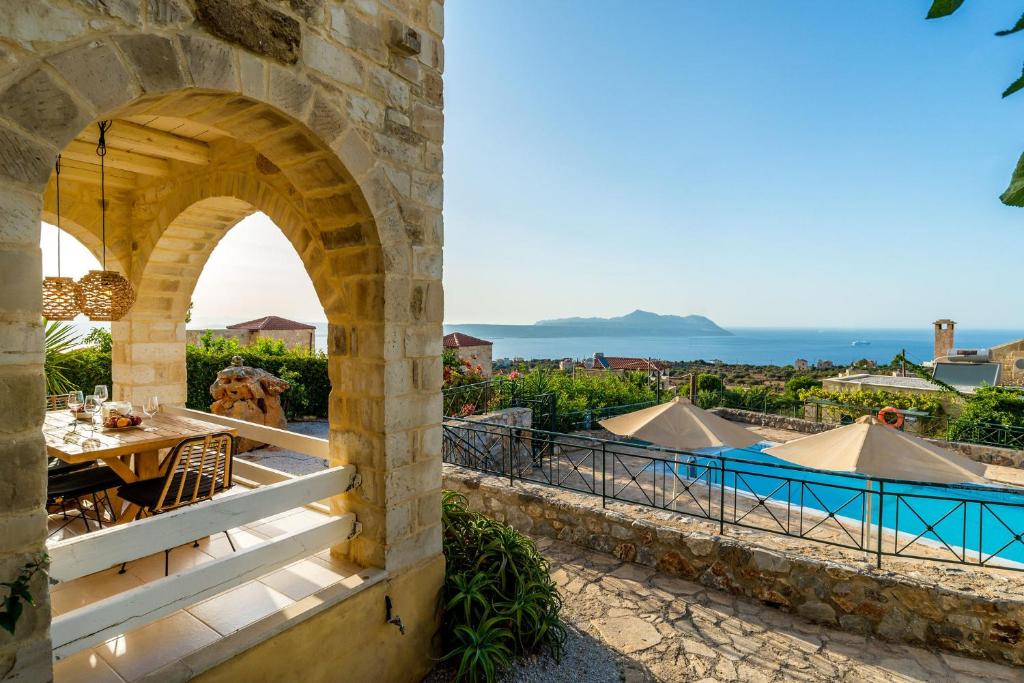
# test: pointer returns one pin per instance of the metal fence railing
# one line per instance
(960, 523)
(924, 424)
(588, 419)
(497, 394)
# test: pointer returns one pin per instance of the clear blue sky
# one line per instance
(763, 163)
(786, 163)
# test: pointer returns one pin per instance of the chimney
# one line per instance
(944, 337)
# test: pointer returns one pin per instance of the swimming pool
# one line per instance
(960, 522)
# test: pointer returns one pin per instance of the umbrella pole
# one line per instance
(675, 476)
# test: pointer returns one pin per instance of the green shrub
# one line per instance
(499, 600)
(85, 368)
(988, 405)
(876, 400)
(308, 372)
(708, 382)
(801, 382)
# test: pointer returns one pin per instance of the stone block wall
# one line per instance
(324, 114)
(792, 424)
(891, 606)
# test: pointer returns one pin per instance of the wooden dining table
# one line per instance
(132, 453)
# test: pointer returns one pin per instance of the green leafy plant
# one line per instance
(18, 593)
(58, 339)
(499, 600)
(944, 8)
(296, 398)
(988, 406)
(100, 339)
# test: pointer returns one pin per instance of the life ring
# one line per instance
(890, 410)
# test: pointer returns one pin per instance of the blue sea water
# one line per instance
(757, 346)
(753, 345)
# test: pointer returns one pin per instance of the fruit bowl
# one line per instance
(119, 416)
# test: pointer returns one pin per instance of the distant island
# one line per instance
(636, 324)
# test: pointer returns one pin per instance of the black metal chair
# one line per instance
(195, 470)
(70, 484)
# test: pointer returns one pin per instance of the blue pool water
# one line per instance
(968, 517)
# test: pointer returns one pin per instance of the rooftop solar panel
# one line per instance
(967, 374)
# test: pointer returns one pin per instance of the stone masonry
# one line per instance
(901, 607)
(324, 114)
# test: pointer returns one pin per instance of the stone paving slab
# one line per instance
(666, 629)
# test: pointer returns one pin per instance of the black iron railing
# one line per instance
(497, 394)
(960, 523)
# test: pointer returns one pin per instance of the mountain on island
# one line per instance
(641, 323)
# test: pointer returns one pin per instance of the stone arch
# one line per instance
(347, 131)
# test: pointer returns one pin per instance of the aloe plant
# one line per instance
(499, 599)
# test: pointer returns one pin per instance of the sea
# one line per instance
(747, 345)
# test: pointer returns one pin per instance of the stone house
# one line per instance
(294, 334)
(327, 116)
(1010, 356)
(472, 349)
(801, 364)
(621, 365)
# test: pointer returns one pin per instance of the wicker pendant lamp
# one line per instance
(60, 294)
(104, 294)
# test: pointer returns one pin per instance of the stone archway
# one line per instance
(338, 114)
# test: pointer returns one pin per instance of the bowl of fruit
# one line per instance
(118, 415)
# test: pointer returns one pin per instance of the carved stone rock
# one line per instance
(254, 26)
(249, 394)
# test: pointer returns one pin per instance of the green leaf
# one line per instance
(1014, 194)
(1015, 86)
(943, 8)
(1019, 26)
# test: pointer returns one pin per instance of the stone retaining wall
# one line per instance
(891, 606)
(990, 455)
(792, 424)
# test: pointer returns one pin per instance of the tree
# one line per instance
(1014, 194)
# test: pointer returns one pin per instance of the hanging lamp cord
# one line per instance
(57, 170)
(101, 151)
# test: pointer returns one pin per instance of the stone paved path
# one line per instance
(666, 629)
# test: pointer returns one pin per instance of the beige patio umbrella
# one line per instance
(870, 447)
(682, 425)
(873, 448)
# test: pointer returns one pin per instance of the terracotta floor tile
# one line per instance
(302, 579)
(84, 667)
(146, 649)
(230, 611)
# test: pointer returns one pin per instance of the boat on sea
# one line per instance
(860, 342)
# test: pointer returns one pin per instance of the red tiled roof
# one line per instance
(623, 363)
(457, 340)
(271, 322)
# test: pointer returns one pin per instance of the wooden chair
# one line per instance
(57, 402)
(195, 470)
(70, 485)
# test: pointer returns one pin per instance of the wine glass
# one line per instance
(150, 407)
(75, 401)
(101, 393)
(91, 407)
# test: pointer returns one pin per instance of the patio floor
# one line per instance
(142, 651)
(660, 628)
